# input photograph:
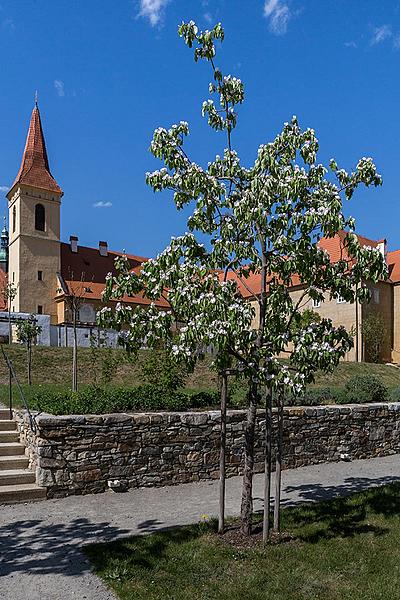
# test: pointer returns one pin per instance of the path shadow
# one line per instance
(315, 492)
(35, 547)
(340, 511)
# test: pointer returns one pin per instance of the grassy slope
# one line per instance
(53, 366)
(344, 549)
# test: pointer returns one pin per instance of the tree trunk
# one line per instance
(278, 470)
(74, 355)
(222, 472)
(246, 509)
(268, 461)
(9, 327)
(29, 350)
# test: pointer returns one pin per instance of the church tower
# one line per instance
(34, 202)
(4, 248)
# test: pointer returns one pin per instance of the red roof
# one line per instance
(34, 169)
(393, 261)
(88, 264)
(336, 250)
(93, 291)
(85, 271)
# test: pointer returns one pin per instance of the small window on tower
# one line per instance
(14, 218)
(40, 275)
(39, 217)
(40, 309)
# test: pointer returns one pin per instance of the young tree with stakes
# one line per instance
(263, 223)
(8, 293)
(27, 332)
(74, 301)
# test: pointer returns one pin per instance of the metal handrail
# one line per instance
(12, 374)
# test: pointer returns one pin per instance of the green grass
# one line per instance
(53, 366)
(51, 370)
(344, 549)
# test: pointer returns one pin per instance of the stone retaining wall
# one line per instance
(80, 454)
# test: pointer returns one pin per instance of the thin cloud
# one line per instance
(278, 14)
(208, 17)
(8, 24)
(59, 87)
(102, 204)
(4, 188)
(350, 44)
(380, 34)
(396, 42)
(153, 10)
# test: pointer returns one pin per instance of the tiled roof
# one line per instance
(336, 250)
(85, 271)
(34, 169)
(93, 291)
(87, 263)
(393, 261)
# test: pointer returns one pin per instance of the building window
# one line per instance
(316, 303)
(340, 300)
(13, 276)
(375, 296)
(40, 275)
(40, 309)
(14, 218)
(39, 217)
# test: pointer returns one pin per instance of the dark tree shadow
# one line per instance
(145, 551)
(341, 510)
(35, 547)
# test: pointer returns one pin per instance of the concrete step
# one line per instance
(13, 462)
(16, 477)
(7, 425)
(11, 494)
(9, 436)
(4, 414)
(11, 449)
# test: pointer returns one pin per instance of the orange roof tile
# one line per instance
(34, 169)
(393, 261)
(88, 264)
(93, 291)
(85, 271)
(335, 248)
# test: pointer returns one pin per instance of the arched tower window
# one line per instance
(14, 218)
(39, 217)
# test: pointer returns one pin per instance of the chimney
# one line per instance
(382, 247)
(73, 240)
(103, 248)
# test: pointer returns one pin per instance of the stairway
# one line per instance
(17, 482)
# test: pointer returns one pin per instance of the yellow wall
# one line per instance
(31, 251)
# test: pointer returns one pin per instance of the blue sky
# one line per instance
(108, 73)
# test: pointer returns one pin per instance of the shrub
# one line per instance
(161, 371)
(365, 388)
(100, 400)
(395, 394)
(313, 397)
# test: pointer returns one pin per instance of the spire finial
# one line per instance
(36, 98)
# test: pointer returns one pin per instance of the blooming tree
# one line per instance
(263, 223)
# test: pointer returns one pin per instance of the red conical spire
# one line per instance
(34, 169)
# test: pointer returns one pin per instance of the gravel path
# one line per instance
(40, 543)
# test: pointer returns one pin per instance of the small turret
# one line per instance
(4, 248)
